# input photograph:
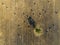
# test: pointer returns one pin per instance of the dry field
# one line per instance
(15, 28)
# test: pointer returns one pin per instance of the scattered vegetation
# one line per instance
(38, 30)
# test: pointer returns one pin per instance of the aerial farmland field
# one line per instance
(29, 22)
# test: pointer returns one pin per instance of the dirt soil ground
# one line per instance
(15, 28)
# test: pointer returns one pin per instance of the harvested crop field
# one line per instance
(29, 22)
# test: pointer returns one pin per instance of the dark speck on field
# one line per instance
(48, 1)
(14, 13)
(6, 7)
(31, 9)
(34, 3)
(33, 13)
(45, 11)
(52, 24)
(18, 34)
(24, 21)
(23, 13)
(31, 21)
(42, 9)
(2, 3)
(49, 27)
(56, 12)
(18, 25)
(46, 31)
(39, 13)
(27, 16)
(28, 26)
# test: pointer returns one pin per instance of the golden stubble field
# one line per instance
(15, 28)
